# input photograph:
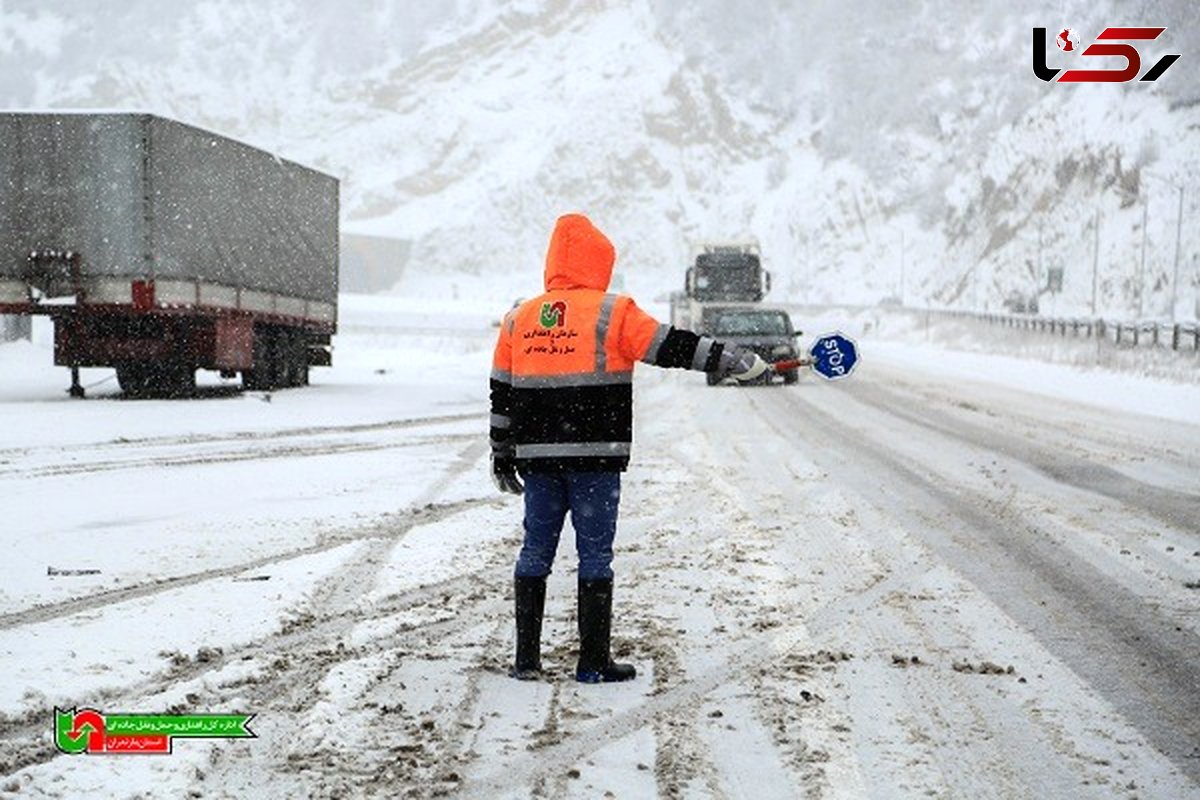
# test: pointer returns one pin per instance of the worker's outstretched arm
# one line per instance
(644, 338)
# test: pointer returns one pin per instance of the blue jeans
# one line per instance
(592, 498)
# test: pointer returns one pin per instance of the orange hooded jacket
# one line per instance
(575, 332)
(562, 369)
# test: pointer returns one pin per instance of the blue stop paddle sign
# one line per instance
(834, 356)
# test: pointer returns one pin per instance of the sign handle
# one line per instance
(793, 363)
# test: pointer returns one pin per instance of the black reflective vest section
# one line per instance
(501, 417)
(592, 424)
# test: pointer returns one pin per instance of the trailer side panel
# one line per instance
(228, 214)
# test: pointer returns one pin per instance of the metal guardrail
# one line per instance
(1178, 336)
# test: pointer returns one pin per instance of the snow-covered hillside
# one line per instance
(873, 151)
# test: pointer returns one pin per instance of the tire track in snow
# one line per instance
(685, 761)
(338, 593)
(228, 457)
(303, 639)
(680, 756)
(451, 753)
(1003, 728)
(961, 736)
(241, 436)
(387, 532)
(1109, 529)
(292, 686)
(756, 650)
(423, 512)
(1118, 539)
(1124, 648)
(1178, 509)
(794, 529)
(1064, 426)
(763, 546)
(969, 744)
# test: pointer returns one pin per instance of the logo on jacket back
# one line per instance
(554, 315)
(1111, 42)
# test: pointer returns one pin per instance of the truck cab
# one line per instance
(720, 273)
(727, 273)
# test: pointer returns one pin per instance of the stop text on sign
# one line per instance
(834, 355)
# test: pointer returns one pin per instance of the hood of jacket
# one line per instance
(579, 256)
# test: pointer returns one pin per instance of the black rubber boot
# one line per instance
(530, 603)
(595, 629)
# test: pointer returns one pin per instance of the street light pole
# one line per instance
(1041, 249)
(1095, 260)
(1178, 239)
(1039, 270)
(1141, 281)
(1178, 236)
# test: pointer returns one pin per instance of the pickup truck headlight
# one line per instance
(782, 350)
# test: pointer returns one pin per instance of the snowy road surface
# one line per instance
(908, 584)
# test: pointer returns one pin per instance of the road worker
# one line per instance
(562, 422)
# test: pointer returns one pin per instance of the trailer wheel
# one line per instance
(255, 380)
(277, 368)
(280, 361)
(264, 375)
(287, 374)
(262, 378)
(295, 354)
(132, 379)
(297, 374)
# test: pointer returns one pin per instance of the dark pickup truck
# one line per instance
(765, 330)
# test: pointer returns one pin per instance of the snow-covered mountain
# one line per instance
(875, 150)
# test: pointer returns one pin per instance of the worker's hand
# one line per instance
(504, 475)
(745, 365)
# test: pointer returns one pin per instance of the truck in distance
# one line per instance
(720, 273)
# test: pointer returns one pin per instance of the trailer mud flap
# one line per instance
(320, 357)
(320, 349)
